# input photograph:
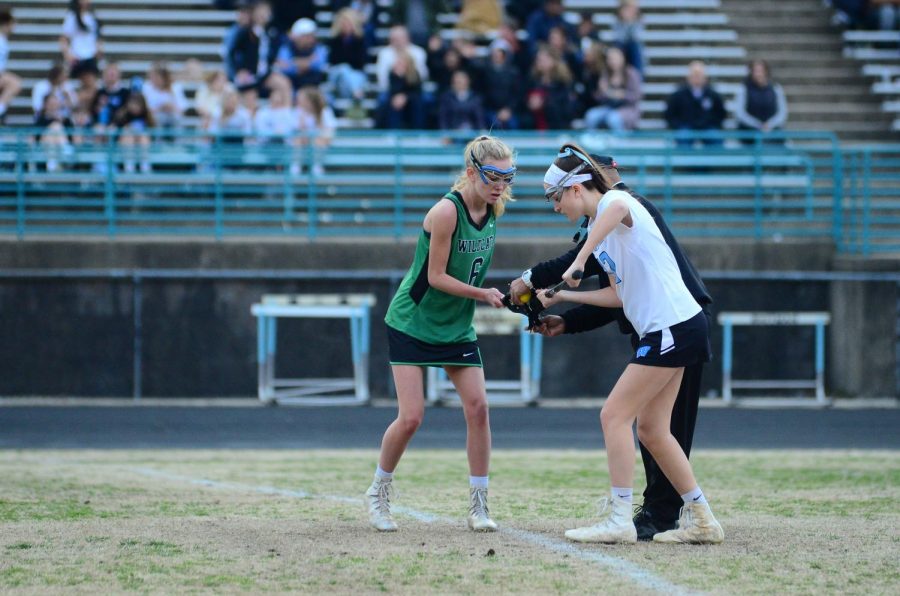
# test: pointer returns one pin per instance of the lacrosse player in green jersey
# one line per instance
(429, 321)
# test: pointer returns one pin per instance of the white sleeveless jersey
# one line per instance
(647, 278)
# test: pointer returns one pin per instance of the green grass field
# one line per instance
(798, 522)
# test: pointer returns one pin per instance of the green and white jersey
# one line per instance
(433, 316)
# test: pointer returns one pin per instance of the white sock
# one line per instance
(693, 496)
(382, 476)
(478, 481)
(626, 494)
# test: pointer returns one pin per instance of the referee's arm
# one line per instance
(550, 272)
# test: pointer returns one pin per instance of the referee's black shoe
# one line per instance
(648, 523)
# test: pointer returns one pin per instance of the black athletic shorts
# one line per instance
(684, 344)
(405, 349)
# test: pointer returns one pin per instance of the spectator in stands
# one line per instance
(58, 84)
(443, 64)
(550, 95)
(565, 47)
(301, 57)
(250, 102)
(276, 122)
(460, 107)
(242, 20)
(208, 101)
(628, 33)
(368, 12)
(695, 107)
(886, 14)
(543, 20)
(254, 51)
(398, 42)
(165, 98)
(80, 40)
(519, 54)
(111, 96)
(10, 84)
(234, 122)
(593, 65)
(848, 13)
(419, 17)
(53, 137)
(587, 33)
(133, 122)
(760, 103)
(617, 96)
(480, 17)
(348, 57)
(402, 105)
(316, 124)
(501, 87)
(85, 97)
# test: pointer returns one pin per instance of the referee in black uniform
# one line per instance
(659, 511)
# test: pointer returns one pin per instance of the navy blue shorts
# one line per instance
(684, 344)
(406, 349)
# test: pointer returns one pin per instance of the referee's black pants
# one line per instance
(660, 497)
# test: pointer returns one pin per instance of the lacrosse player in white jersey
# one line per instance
(646, 283)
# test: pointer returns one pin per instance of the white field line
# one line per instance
(622, 567)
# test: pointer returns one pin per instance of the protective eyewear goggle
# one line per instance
(492, 174)
(554, 193)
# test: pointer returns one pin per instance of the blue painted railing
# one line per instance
(380, 183)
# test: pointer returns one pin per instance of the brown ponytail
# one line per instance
(571, 156)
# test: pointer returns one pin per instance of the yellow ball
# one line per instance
(524, 298)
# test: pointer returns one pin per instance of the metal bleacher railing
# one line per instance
(380, 183)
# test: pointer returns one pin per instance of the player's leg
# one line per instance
(637, 386)
(410, 411)
(696, 523)
(659, 511)
(469, 384)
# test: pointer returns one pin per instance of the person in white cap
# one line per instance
(301, 57)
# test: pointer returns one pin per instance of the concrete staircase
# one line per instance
(825, 90)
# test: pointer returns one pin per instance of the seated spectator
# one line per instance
(443, 64)
(886, 14)
(276, 122)
(563, 46)
(80, 40)
(58, 84)
(628, 33)
(234, 122)
(617, 96)
(242, 20)
(593, 65)
(543, 20)
(10, 84)
(133, 122)
(519, 54)
(53, 122)
(549, 98)
(368, 11)
(695, 107)
(480, 17)
(419, 17)
(347, 54)
(316, 123)
(461, 108)
(250, 101)
(301, 57)
(208, 101)
(587, 33)
(501, 87)
(164, 98)
(111, 96)
(402, 104)
(760, 104)
(254, 51)
(398, 42)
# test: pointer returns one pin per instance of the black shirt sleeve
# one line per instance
(550, 272)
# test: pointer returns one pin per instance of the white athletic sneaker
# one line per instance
(378, 500)
(479, 516)
(696, 525)
(615, 526)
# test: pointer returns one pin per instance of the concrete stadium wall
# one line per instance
(75, 336)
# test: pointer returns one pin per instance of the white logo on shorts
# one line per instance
(468, 354)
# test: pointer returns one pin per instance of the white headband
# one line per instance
(555, 174)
